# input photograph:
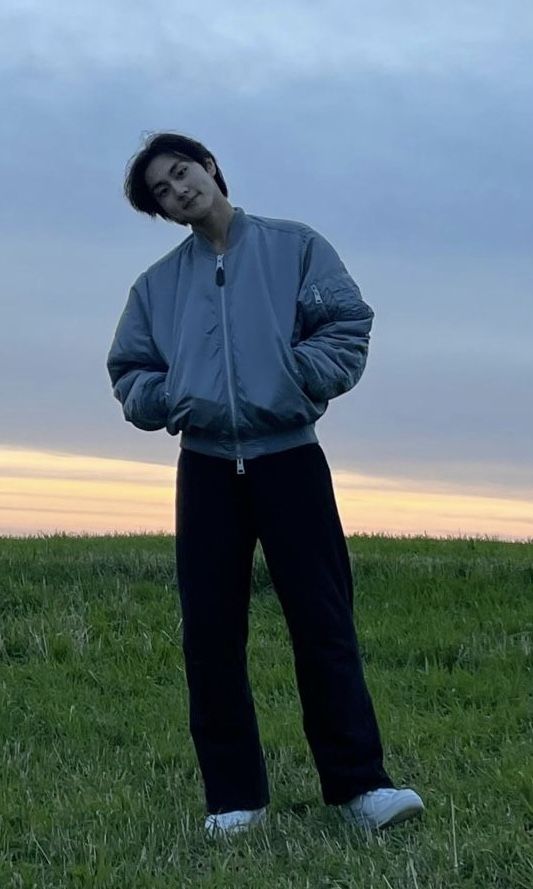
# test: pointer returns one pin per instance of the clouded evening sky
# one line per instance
(402, 132)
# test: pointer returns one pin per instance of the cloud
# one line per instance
(42, 492)
(252, 46)
(397, 130)
(45, 491)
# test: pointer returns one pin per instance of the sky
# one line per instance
(402, 132)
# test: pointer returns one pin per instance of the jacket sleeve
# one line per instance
(137, 369)
(334, 323)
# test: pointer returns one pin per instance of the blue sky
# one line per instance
(402, 132)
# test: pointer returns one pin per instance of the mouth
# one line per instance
(188, 204)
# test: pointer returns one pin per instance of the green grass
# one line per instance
(99, 785)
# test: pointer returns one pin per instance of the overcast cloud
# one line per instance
(334, 38)
(402, 132)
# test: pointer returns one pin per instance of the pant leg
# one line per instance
(306, 553)
(215, 542)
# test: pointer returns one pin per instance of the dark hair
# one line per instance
(135, 188)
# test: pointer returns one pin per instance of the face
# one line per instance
(174, 182)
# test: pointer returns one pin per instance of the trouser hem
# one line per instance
(341, 799)
(237, 807)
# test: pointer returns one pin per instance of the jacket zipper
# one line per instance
(319, 301)
(316, 291)
(220, 278)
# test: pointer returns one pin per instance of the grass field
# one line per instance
(99, 785)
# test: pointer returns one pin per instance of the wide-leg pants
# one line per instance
(286, 500)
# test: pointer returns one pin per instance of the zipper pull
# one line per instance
(316, 291)
(240, 466)
(220, 276)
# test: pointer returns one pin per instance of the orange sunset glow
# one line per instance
(47, 492)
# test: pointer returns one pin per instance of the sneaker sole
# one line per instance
(396, 818)
(404, 815)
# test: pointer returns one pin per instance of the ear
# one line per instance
(210, 166)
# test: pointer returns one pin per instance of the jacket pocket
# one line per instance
(196, 389)
(275, 400)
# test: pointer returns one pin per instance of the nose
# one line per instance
(181, 194)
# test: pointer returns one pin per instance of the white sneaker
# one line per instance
(378, 808)
(233, 822)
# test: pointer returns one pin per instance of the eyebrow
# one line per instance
(171, 170)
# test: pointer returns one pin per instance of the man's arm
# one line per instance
(336, 323)
(137, 369)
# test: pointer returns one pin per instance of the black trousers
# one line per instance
(286, 500)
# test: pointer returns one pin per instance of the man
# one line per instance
(238, 338)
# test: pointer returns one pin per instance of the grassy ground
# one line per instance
(99, 785)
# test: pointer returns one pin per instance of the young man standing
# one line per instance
(238, 338)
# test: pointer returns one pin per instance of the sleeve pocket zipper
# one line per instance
(319, 301)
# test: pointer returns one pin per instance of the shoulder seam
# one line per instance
(289, 226)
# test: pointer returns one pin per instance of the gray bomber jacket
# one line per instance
(240, 351)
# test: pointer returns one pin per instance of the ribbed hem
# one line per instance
(257, 447)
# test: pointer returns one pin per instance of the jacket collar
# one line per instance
(237, 227)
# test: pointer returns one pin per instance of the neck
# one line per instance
(215, 226)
